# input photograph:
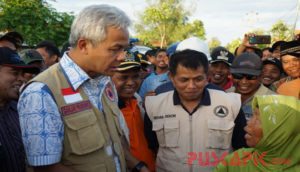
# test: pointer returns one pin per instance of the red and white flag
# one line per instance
(71, 96)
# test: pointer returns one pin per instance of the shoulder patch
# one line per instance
(109, 92)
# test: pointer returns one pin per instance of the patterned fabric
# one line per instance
(152, 82)
(41, 124)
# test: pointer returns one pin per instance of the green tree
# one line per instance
(213, 42)
(233, 45)
(281, 31)
(167, 21)
(36, 20)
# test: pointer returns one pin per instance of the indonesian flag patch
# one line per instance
(71, 96)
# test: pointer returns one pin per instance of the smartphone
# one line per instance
(260, 39)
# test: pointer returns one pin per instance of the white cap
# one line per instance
(196, 44)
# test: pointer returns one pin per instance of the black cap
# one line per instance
(142, 57)
(274, 61)
(247, 63)
(13, 37)
(221, 54)
(130, 62)
(290, 48)
(276, 44)
(10, 58)
(256, 51)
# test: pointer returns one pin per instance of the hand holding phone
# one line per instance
(260, 39)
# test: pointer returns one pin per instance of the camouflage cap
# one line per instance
(131, 61)
(30, 55)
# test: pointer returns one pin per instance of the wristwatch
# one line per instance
(139, 166)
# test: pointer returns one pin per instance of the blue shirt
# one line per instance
(41, 124)
(152, 82)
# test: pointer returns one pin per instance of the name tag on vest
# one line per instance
(77, 107)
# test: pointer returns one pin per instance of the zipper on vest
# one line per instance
(191, 139)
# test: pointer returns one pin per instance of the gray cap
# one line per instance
(247, 63)
(30, 55)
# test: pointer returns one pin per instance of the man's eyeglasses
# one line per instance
(241, 76)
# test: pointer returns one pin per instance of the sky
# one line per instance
(225, 19)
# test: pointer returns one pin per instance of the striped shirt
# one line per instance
(12, 154)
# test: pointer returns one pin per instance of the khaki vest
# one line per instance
(89, 139)
(209, 130)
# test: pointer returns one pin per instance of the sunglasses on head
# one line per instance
(241, 76)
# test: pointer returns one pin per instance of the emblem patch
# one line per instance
(109, 94)
(77, 107)
(221, 111)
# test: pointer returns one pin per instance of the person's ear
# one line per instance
(170, 75)
(55, 58)
(83, 45)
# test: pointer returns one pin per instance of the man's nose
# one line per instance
(121, 56)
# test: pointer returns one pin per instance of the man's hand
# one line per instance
(246, 40)
(145, 169)
(131, 161)
(245, 44)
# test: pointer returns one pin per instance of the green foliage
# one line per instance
(233, 45)
(281, 31)
(213, 42)
(35, 20)
(167, 21)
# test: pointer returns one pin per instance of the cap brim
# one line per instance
(273, 63)
(145, 62)
(276, 44)
(245, 71)
(125, 68)
(26, 68)
(213, 61)
(35, 60)
(269, 62)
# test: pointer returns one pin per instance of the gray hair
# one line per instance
(92, 22)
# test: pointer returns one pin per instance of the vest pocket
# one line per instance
(167, 133)
(158, 127)
(83, 132)
(171, 128)
(219, 134)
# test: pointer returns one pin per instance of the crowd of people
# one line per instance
(100, 105)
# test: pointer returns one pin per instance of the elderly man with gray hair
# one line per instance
(69, 116)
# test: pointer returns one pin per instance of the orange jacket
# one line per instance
(138, 143)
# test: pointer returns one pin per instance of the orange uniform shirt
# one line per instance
(138, 143)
